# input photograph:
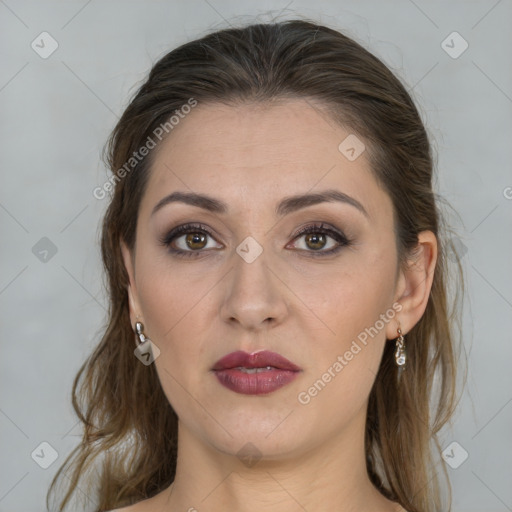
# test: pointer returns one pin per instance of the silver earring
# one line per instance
(400, 357)
(139, 328)
(146, 351)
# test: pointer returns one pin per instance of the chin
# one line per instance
(270, 435)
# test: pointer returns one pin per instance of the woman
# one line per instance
(277, 279)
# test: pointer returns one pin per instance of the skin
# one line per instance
(196, 310)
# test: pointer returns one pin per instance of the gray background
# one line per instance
(57, 113)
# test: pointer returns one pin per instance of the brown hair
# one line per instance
(127, 420)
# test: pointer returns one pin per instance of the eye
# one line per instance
(316, 240)
(188, 240)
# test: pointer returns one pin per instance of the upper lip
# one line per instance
(262, 359)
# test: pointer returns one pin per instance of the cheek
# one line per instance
(171, 300)
(346, 358)
(350, 306)
(179, 312)
(174, 312)
(351, 297)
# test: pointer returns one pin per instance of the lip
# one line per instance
(229, 372)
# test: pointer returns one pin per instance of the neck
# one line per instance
(331, 476)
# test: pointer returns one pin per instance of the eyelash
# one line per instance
(339, 237)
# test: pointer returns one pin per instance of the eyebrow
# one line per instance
(288, 205)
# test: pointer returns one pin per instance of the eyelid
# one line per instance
(313, 227)
(184, 229)
(334, 233)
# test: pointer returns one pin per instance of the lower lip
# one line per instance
(254, 383)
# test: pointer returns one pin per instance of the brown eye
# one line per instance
(189, 240)
(315, 241)
(196, 241)
(320, 240)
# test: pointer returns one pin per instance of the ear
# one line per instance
(133, 299)
(414, 284)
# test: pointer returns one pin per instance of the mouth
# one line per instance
(254, 370)
(255, 374)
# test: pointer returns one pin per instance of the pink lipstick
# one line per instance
(254, 374)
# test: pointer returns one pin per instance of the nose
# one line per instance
(255, 297)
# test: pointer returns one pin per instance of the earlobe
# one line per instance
(131, 302)
(416, 282)
(131, 290)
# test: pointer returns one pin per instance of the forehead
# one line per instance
(254, 135)
(252, 151)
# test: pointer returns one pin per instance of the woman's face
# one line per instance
(246, 280)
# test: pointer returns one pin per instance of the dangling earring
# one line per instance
(139, 328)
(146, 351)
(400, 356)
